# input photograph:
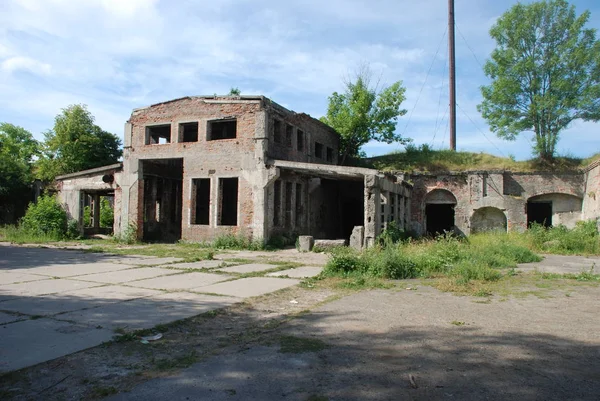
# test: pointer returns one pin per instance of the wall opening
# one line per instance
(300, 140)
(329, 154)
(288, 204)
(289, 132)
(277, 203)
(298, 207)
(228, 201)
(158, 134)
(221, 129)
(539, 213)
(318, 150)
(189, 132)
(277, 131)
(439, 211)
(488, 219)
(97, 212)
(201, 192)
(162, 199)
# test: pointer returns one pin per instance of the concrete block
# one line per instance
(249, 268)
(357, 237)
(30, 342)
(149, 261)
(8, 318)
(181, 281)
(146, 313)
(329, 243)
(203, 264)
(10, 277)
(78, 269)
(41, 287)
(298, 272)
(124, 276)
(249, 287)
(306, 243)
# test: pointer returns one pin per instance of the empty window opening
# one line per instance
(277, 203)
(189, 132)
(158, 134)
(221, 129)
(298, 205)
(228, 201)
(277, 131)
(440, 218)
(289, 131)
(539, 213)
(288, 204)
(300, 140)
(319, 150)
(329, 154)
(202, 192)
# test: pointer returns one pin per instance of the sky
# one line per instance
(117, 55)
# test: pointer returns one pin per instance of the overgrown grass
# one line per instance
(426, 159)
(482, 257)
(582, 240)
(20, 235)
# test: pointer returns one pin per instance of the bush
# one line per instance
(583, 239)
(107, 214)
(343, 260)
(45, 218)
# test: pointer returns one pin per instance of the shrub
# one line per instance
(45, 218)
(343, 260)
(107, 214)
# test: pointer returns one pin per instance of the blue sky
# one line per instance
(116, 55)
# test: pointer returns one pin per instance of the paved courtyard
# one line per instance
(56, 302)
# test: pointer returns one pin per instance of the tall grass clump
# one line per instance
(237, 242)
(480, 257)
(583, 239)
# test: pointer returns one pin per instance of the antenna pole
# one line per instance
(452, 80)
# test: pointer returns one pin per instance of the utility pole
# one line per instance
(452, 80)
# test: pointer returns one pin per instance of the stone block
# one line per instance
(329, 243)
(306, 243)
(357, 237)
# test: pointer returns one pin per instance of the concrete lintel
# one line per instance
(92, 171)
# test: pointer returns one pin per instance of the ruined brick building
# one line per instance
(198, 167)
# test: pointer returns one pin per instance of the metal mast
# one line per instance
(452, 80)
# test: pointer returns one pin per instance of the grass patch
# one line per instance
(297, 345)
(581, 240)
(179, 362)
(457, 323)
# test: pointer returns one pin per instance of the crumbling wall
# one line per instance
(591, 195)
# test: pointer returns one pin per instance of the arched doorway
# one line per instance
(554, 209)
(488, 219)
(439, 211)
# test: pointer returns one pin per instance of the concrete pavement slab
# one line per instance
(123, 276)
(42, 287)
(181, 281)
(78, 269)
(12, 277)
(298, 272)
(203, 264)
(75, 300)
(148, 312)
(8, 317)
(149, 261)
(249, 268)
(30, 342)
(248, 287)
(562, 264)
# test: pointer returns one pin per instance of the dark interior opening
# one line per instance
(189, 132)
(318, 150)
(440, 218)
(162, 199)
(202, 192)
(298, 206)
(228, 190)
(223, 129)
(352, 207)
(158, 134)
(300, 140)
(288, 204)
(277, 131)
(329, 154)
(339, 207)
(540, 213)
(277, 203)
(289, 130)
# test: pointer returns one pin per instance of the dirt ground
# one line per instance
(538, 340)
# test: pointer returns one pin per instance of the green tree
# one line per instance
(545, 73)
(364, 113)
(17, 150)
(235, 91)
(76, 144)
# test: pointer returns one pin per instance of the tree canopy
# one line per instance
(545, 73)
(363, 113)
(76, 143)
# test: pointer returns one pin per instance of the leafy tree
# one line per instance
(76, 144)
(545, 73)
(365, 112)
(235, 91)
(17, 150)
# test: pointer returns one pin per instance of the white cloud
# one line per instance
(19, 63)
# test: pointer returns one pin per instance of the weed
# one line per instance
(297, 345)
(182, 361)
(99, 391)
(457, 323)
